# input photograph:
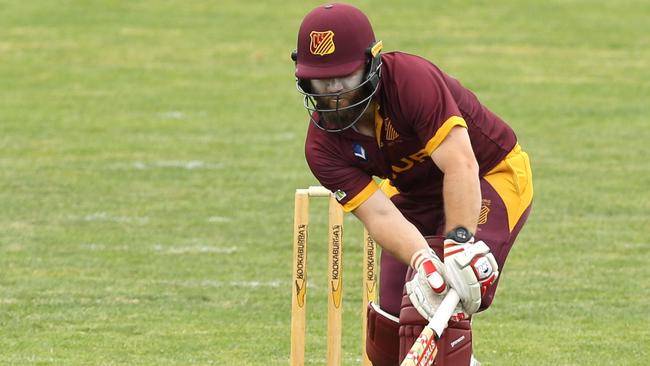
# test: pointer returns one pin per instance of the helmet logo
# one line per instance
(322, 43)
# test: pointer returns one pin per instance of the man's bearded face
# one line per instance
(344, 93)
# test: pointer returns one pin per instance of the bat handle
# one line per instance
(439, 320)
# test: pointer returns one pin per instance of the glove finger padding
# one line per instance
(425, 291)
(422, 296)
(470, 269)
(431, 268)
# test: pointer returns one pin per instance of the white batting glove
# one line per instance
(427, 288)
(470, 269)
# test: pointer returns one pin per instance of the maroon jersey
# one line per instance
(418, 105)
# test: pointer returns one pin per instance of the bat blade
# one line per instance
(424, 349)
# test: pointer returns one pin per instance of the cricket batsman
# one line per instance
(438, 179)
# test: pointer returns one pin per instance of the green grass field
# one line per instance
(150, 151)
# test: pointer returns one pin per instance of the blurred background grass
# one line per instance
(150, 151)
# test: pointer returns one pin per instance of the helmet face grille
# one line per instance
(341, 118)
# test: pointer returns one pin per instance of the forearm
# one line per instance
(389, 228)
(461, 189)
(462, 198)
(397, 236)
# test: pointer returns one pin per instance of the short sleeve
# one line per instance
(332, 167)
(427, 104)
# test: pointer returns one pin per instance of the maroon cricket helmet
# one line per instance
(333, 41)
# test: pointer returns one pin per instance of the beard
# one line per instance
(342, 115)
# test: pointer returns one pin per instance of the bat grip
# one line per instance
(439, 320)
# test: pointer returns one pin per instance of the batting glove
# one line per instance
(427, 288)
(470, 269)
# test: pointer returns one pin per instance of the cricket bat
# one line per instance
(424, 350)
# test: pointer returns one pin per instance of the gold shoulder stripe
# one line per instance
(360, 198)
(443, 131)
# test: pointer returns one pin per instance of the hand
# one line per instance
(427, 288)
(470, 269)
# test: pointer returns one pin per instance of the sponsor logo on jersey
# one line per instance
(339, 194)
(359, 152)
(322, 43)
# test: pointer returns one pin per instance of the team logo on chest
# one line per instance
(322, 43)
(391, 132)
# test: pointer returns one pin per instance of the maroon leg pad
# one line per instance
(455, 345)
(382, 340)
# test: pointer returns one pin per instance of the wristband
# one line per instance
(459, 234)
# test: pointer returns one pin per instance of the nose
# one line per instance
(334, 85)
